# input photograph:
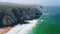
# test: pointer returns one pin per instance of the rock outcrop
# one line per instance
(12, 16)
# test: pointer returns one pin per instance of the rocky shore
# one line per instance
(10, 16)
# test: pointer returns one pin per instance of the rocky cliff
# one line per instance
(10, 15)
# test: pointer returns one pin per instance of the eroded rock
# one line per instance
(13, 16)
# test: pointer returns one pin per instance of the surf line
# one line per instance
(23, 29)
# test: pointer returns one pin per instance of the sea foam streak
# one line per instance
(23, 29)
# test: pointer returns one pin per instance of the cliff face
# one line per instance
(12, 16)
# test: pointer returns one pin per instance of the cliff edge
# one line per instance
(12, 14)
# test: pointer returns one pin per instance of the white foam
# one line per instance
(46, 13)
(23, 29)
(42, 20)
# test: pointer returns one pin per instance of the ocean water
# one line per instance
(49, 23)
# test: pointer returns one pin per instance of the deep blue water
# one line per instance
(53, 10)
(51, 21)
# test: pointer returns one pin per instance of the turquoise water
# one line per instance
(51, 21)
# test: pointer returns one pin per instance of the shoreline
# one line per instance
(22, 29)
(5, 30)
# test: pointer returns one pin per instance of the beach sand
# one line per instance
(19, 29)
(5, 30)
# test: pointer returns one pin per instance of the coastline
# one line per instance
(23, 29)
(5, 30)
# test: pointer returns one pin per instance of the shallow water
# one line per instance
(23, 29)
(49, 23)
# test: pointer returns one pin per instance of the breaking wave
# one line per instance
(23, 29)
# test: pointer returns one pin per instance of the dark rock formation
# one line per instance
(13, 16)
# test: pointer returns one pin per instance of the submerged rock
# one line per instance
(13, 16)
